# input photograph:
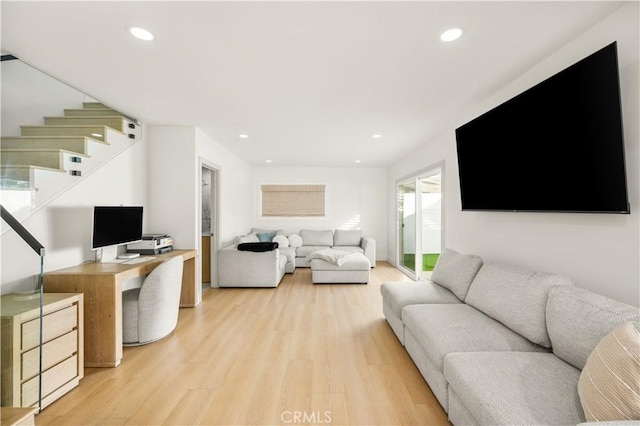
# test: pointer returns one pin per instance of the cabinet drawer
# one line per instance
(54, 324)
(53, 352)
(52, 379)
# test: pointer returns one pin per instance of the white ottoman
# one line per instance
(355, 269)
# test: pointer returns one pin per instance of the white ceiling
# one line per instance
(309, 82)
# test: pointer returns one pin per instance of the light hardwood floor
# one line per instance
(298, 354)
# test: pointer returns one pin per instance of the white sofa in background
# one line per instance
(501, 345)
(341, 239)
(265, 269)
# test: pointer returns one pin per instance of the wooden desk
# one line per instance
(101, 284)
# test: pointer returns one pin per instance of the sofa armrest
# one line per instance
(368, 244)
(249, 269)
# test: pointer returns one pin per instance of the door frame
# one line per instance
(418, 239)
(215, 217)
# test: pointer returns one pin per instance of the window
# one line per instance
(293, 200)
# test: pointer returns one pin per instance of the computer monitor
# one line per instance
(114, 226)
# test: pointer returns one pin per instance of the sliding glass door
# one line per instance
(407, 224)
(420, 223)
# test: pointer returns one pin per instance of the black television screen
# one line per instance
(116, 225)
(557, 147)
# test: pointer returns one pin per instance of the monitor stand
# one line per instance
(107, 254)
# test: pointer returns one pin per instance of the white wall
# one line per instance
(600, 252)
(64, 226)
(173, 184)
(355, 198)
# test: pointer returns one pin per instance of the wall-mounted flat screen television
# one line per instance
(116, 225)
(557, 147)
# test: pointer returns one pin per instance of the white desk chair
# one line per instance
(150, 313)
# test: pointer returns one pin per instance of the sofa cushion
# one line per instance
(609, 385)
(267, 231)
(249, 238)
(400, 294)
(515, 388)
(355, 262)
(289, 253)
(347, 237)
(515, 297)
(295, 240)
(305, 251)
(353, 249)
(316, 238)
(456, 271)
(336, 257)
(265, 237)
(578, 319)
(443, 329)
(282, 241)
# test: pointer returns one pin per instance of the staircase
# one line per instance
(45, 160)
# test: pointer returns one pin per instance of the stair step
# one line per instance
(39, 165)
(117, 123)
(76, 144)
(50, 158)
(94, 105)
(88, 131)
(92, 112)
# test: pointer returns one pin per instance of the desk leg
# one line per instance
(189, 293)
(102, 315)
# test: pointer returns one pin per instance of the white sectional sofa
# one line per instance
(500, 345)
(345, 240)
(238, 268)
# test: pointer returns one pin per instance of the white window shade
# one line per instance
(293, 200)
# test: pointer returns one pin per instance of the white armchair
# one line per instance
(150, 313)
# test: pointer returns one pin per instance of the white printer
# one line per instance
(152, 244)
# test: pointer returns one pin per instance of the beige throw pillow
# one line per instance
(609, 385)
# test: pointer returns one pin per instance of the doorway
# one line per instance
(209, 224)
(420, 222)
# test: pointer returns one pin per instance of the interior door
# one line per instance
(209, 200)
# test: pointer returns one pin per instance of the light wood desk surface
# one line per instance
(20, 416)
(102, 284)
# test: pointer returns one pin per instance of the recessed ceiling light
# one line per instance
(141, 33)
(268, 161)
(452, 34)
(97, 135)
(377, 136)
(358, 161)
(243, 136)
